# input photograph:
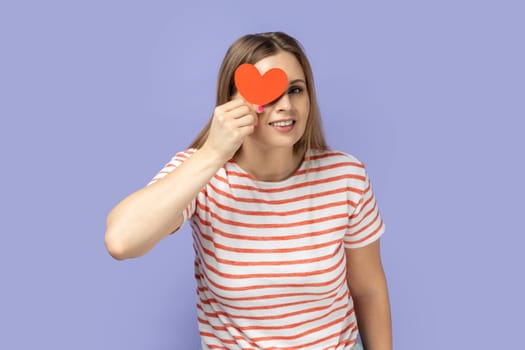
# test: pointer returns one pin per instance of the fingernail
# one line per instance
(260, 109)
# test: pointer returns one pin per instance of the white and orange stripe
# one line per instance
(270, 256)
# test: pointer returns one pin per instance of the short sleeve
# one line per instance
(177, 160)
(365, 224)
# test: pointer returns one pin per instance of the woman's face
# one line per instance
(283, 122)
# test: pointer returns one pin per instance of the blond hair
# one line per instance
(252, 48)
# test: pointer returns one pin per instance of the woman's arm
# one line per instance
(145, 217)
(368, 287)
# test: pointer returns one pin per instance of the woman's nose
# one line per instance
(283, 103)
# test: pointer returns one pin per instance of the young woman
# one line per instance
(286, 231)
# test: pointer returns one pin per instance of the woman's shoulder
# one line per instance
(182, 155)
(333, 156)
(186, 152)
(337, 164)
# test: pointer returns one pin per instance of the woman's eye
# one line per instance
(295, 90)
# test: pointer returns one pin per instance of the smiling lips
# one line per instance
(283, 123)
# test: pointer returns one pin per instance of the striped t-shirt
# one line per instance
(270, 256)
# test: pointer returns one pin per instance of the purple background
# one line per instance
(96, 96)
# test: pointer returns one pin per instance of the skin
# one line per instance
(142, 219)
(368, 287)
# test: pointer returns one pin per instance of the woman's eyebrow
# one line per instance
(297, 81)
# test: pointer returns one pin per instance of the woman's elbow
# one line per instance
(113, 241)
(114, 246)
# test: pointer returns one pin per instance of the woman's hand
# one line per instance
(231, 123)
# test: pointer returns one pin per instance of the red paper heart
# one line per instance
(257, 89)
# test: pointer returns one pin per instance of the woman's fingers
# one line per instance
(230, 105)
(247, 119)
(231, 123)
(243, 114)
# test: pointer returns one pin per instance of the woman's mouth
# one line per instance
(283, 125)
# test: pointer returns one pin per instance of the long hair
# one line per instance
(252, 48)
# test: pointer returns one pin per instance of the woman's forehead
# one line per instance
(283, 60)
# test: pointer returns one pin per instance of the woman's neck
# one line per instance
(275, 164)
